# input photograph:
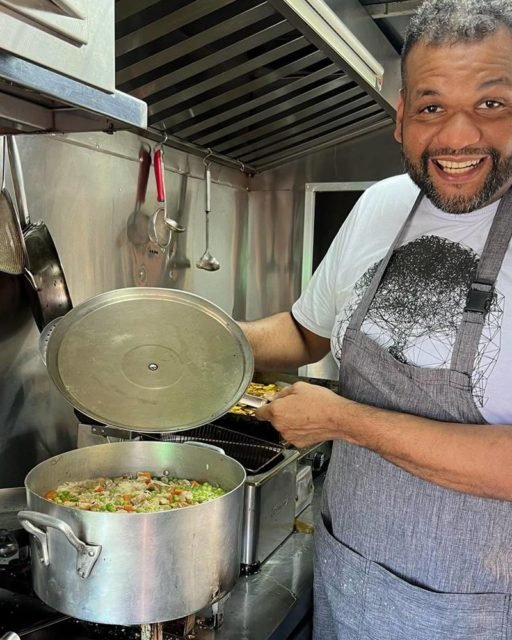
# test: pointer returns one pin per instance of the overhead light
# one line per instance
(322, 19)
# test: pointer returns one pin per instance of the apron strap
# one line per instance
(362, 309)
(481, 293)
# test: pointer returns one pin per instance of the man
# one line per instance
(415, 538)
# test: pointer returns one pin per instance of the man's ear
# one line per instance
(399, 116)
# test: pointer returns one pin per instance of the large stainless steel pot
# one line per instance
(134, 568)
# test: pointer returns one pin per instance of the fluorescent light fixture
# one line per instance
(333, 31)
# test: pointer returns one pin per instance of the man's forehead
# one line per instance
(496, 48)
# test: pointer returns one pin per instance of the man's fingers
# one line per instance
(263, 413)
(286, 391)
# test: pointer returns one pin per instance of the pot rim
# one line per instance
(212, 452)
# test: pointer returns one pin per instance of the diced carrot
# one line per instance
(128, 507)
(127, 497)
(99, 489)
(50, 495)
(177, 491)
(144, 474)
(194, 483)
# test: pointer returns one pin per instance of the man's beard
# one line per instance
(499, 175)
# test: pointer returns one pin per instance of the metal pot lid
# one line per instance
(149, 359)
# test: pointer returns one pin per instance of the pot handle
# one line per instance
(32, 521)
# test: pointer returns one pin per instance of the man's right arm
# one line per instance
(279, 342)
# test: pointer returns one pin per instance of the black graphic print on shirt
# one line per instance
(419, 304)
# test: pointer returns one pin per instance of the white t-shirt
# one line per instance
(419, 304)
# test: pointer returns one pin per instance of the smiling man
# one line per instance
(414, 541)
(456, 143)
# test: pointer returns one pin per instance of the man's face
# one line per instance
(455, 121)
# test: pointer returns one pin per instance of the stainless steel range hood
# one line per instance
(57, 68)
(260, 82)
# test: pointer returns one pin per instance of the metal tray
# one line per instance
(149, 359)
(255, 455)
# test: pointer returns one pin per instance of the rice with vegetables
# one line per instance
(140, 493)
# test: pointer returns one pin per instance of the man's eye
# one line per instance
(431, 108)
(491, 104)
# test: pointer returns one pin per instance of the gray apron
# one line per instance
(398, 557)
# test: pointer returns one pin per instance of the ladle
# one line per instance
(207, 261)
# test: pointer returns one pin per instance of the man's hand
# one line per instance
(304, 414)
(471, 458)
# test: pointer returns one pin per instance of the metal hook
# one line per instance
(210, 153)
(242, 166)
(160, 145)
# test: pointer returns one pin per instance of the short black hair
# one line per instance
(439, 22)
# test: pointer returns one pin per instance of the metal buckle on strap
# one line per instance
(480, 297)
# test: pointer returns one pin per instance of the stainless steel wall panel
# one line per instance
(275, 243)
(370, 157)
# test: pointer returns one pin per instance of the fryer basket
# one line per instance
(255, 455)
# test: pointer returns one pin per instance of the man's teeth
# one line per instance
(458, 167)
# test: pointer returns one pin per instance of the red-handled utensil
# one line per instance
(158, 162)
(161, 225)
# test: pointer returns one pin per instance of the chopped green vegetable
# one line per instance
(140, 493)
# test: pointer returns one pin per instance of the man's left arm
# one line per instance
(472, 458)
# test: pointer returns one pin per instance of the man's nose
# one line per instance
(459, 132)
